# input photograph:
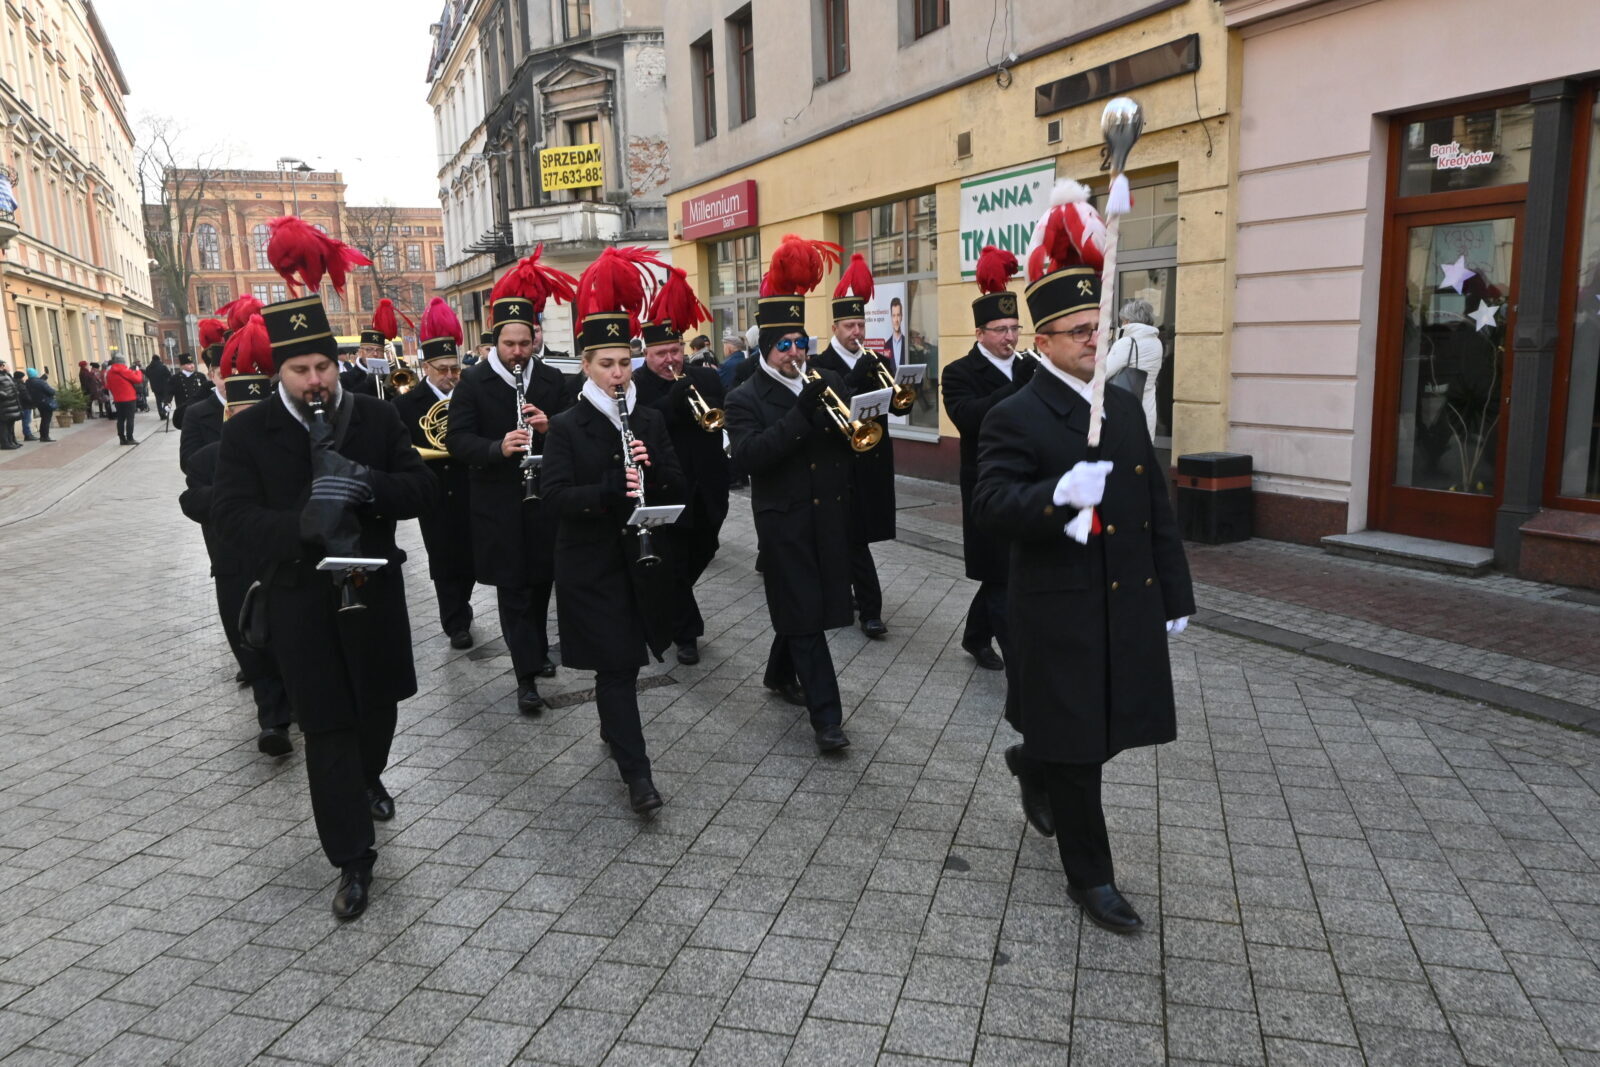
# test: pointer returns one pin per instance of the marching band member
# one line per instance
(690, 398)
(499, 415)
(447, 530)
(799, 467)
(605, 456)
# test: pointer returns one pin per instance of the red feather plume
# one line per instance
(995, 268)
(211, 331)
(799, 265)
(535, 282)
(676, 303)
(856, 280)
(440, 321)
(297, 248)
(384, 320)
(249, 350)
(620, 280)
(238, 311)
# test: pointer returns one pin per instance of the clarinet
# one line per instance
(647, 558)
(530, 462)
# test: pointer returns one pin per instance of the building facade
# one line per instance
(918, 131)
(74, 273)
(227, 248)
(1416, 326)
(552, 128)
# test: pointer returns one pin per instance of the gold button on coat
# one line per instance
(1139, 469)
(1111, 529)
(1113, 587)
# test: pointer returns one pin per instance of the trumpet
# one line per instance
(863, 436)
(709, 418)
(905, 394)
(647, 558)
(401, 377)
(530, 462)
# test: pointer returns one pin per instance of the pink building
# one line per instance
(1416, 317)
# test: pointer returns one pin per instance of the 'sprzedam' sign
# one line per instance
(733, 207)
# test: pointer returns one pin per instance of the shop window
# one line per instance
(735, 283)
(1580, 453)
(901, 243)
(1469, 150)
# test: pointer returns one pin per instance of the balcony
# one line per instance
(578, 226)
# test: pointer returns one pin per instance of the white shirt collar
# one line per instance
(1002, 365)
(222, 397)
(442, 396)
(845, 354)
(604, 404)
(1083, 389)
(794, 385)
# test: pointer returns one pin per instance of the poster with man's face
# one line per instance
(886, 319)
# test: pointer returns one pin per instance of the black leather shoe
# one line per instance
(381, 803)
(831, 739)
(1106, 908)
(987, 658)
(790, 692)
(688, 653)
(274, 741)
(529, 702)
(642, 796)
(874, 628)
(351, 898)
(1035, 801)
(549, 668)
(461, 639)
(239, 678)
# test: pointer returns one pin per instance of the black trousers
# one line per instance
(8, 433)
(523, 613)
(259, 668)
(804, 658)
(986, 617)
(125, 419)
(692, 548)
(455, 603)
(340, 765)
(1081, 837)
(616, 694)
(864, 583)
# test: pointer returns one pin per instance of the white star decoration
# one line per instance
(1456, 274)
(1485, 316)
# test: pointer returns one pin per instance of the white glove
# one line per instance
(1081, 526)
(1177, 626)
(1083, 485)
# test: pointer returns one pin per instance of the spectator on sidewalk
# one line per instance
(25, 399)
(733, 354)
(89, 382)
(10, 409)
(142, 390)
(122, 383)
(1140, 347)
(44, 401)
(160, 376)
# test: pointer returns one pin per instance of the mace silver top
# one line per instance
(1121, 124)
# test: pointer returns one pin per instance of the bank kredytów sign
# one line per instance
(1000, 208)
(733, 207)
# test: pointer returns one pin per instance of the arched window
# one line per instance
(259, 235)
(210, 249)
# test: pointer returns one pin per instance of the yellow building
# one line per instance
(920, 131)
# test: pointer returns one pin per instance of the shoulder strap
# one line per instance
(341, 420)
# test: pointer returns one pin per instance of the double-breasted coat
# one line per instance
(447, 529)
(1090, 674)
(971, 386)
(202, 425)
(872, 504)
(334, 664)
(607, 608)
(513, 541)
(799, 469)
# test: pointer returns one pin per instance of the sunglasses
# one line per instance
(1079, 334)
(802, 344)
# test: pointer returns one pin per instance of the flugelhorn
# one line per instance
(905, 394)
(863, 436)
(709, 418)
(401, 377)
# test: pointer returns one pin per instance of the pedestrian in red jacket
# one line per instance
(122, 381)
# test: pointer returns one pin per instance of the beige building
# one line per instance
(918, 131)
(75, 272)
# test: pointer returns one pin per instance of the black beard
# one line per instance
(329, 406)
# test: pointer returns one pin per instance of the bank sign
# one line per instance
(1000, 208)
(577, 166)
(733, 207)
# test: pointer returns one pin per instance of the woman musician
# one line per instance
(611, 604)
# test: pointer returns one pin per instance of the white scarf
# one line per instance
(442, 396)
(1002, 365)
(604, 403)
(294, 412)
(794, 385)
(845, 354)
(1083, 389)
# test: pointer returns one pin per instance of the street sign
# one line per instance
(578, 166)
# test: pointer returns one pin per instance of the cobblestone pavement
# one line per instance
(1336, 868)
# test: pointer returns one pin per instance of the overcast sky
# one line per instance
(337, 83)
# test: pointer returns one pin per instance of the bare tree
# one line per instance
(172, 186)
(376, 232)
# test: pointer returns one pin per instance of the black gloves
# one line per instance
(1022, 368)
(811, 396)
(680, 390)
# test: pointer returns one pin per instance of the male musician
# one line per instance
(986, 375)
(447, 530)
(346, 671)
(187, 385)
(872, 471)
(231, 572)
(353, 373)
(1088, 622)
(666, 384)
(492, 428)
(484, 347)
(799, 466)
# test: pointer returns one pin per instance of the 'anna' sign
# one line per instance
(1000, 208)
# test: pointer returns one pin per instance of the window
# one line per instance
(1580, 447)
(210, 249)
(901, 243)
(705, 89)
(836, 34)
(331, 300)
(366, 298)
(260, 234)
(930, 15)
(419, 297)
(414, 258)
(260, 293)
(438, 257)
(574, 18)
(202, 299)
(1468, 150)
(735, 283)
(280, 293)
(388, 259)
(742, 47)
(584, 131)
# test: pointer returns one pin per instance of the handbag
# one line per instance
(1131, 377)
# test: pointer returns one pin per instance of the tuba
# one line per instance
(433, 424)
(710, 419)
(863, 436)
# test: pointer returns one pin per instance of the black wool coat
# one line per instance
(700, 454)
(159, 375)
(202, 425)
(607, 609)
(871, 472)
(800, 493)
(227, 560)
(447, 529)
(512, 542)
(334, 665)
(186, 389)
(1089, 674)
(971, 386)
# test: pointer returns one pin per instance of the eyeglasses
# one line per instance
(800, 344)
(1080, 334)
(1011, 331)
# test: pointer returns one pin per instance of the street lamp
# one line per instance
(294, 166)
